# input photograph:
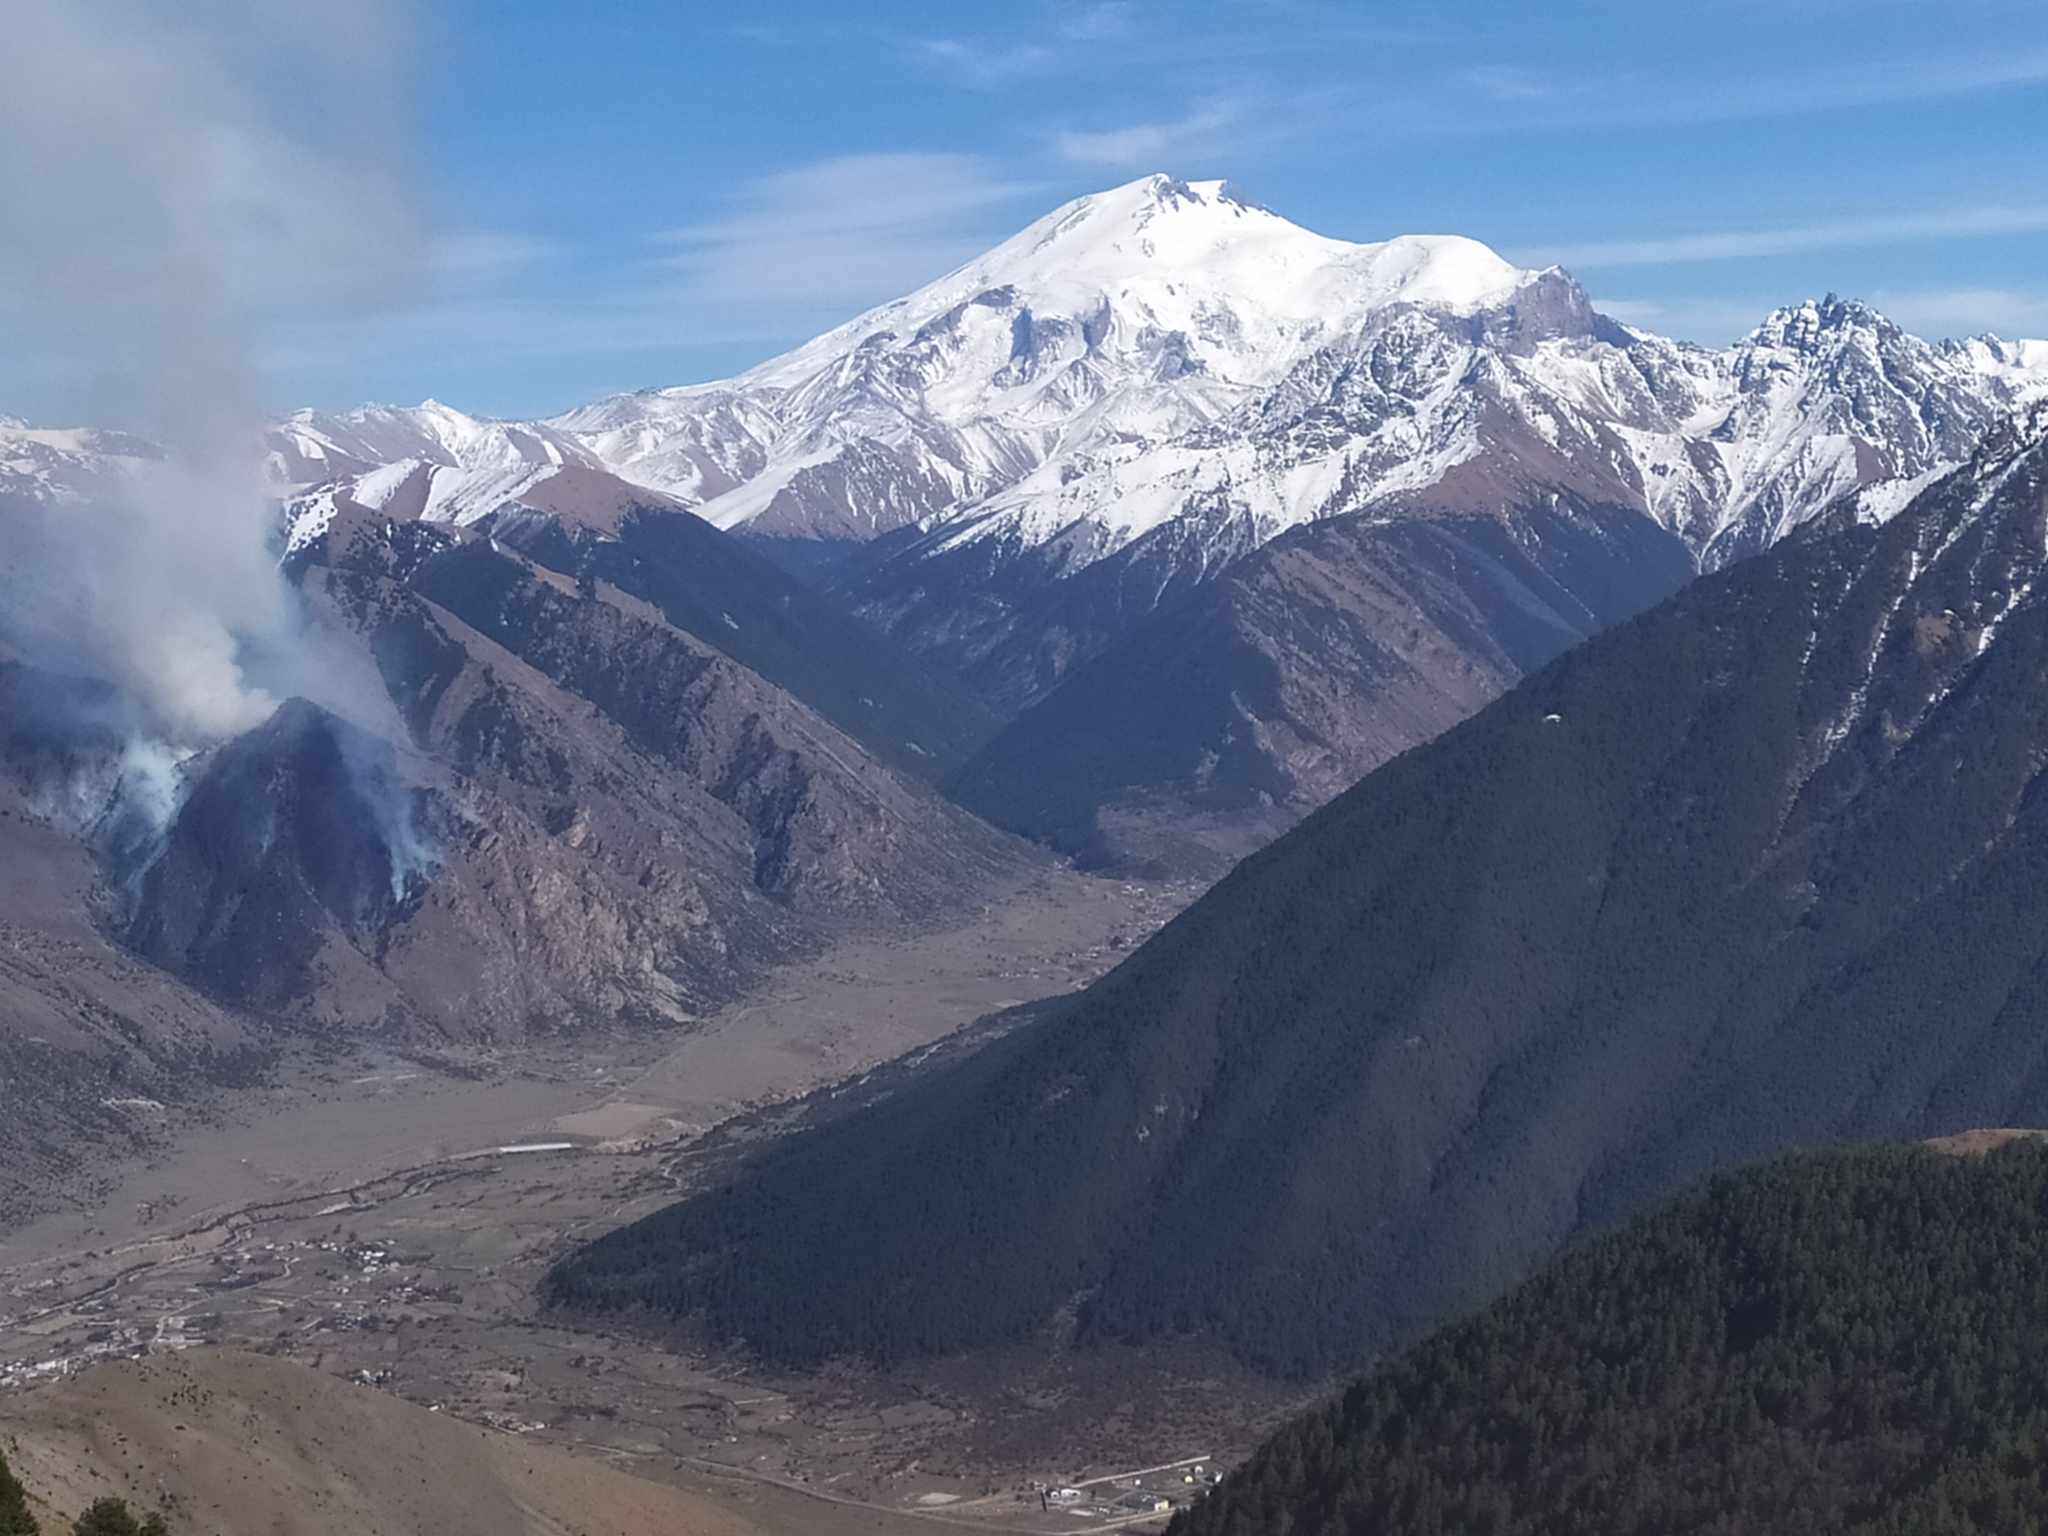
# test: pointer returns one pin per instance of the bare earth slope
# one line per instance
(91, 1039)
(538, 805)
(238, 1444)
(527, 805)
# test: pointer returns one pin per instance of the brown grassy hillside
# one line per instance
(235, 1445)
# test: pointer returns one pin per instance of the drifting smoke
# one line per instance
(170, 175)
(175, 175)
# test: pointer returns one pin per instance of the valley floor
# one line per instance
(362, 1213)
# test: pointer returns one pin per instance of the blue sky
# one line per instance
(615, 194)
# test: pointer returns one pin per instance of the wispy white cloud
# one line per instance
(1728, 245)
(1434, 98)
(1071, 38)
(1912, 79)
(475, 292)
(1968, 312)
(1711, 321)
(486, 255)
(1098, 22)
(1151, 146)
(836, 235)
(984, 65)
(1501, 82)
(792, 254)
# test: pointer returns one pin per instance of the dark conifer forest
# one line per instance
(1843, 1342)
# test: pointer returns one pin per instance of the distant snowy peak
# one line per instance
(434, 464)
(429, 462)
(45, 466)
(308, 447)
(1247, 288)
(1167, 352)
(1131, 317)
(1830, 396)
(2023, 364)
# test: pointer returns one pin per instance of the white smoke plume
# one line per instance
(171, 172)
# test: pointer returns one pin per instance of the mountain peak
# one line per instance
(1162, 225)
(1091, 379)
(1243, 292)
(1810, 324)
(1158, 195)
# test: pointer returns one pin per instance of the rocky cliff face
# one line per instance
(526, 801)
(609, 819)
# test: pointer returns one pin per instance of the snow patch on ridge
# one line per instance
(1160, 350)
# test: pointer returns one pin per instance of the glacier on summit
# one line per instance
(1168, 349)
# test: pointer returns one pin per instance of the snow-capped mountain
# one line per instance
(1450, 468)
(1122, 320)
(1821, 399)
(1167, 350)
(429, 462)
(1130, 318)
(40, 466)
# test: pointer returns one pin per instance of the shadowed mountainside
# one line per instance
(715, 588)
(1764, 866)
(1307, 664)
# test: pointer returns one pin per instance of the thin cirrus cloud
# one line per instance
(1891, 80)
(1072, 36)
(1151, 146)
(1728, 245)
(1968, 312)
(970, 62)
(1506, 83)
(1710, 320)
(791, 254)
(481, 256)
(1419, 94)
(833, 236)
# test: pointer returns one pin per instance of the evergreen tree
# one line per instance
(112, 1517)
(15, 1519)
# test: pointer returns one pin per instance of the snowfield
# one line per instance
(1167, 353)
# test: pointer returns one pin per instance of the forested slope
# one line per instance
(1852, 1341)
(1764, 867)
